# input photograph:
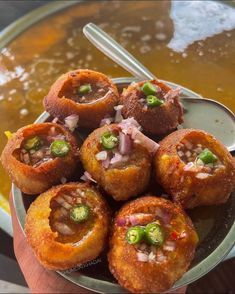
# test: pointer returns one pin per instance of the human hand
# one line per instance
(39, 279)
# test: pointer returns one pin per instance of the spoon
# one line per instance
(205, 114)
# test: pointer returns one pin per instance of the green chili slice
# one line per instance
(109, 140)
(85, 89)
(207, 156)
(154, 234)
(60, 148)
(33, 143)
(153, 101)
(80, 213)
(135, 235)
(149, 88)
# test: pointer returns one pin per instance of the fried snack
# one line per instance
(195, 168)
(151, 246)
(39, 156)
(67, 225)
(158, 113)
(89, 94)
(117, 163)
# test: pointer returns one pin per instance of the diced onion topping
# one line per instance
(87, 177)
(142, 257)
(202, 176)
(125, 143)
(71, 122)
(63, 229)
(118, 115)
(102, 155)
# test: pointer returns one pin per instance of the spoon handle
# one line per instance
(116, 52)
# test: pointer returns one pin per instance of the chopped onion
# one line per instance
(202, 176)
(55, 120)
(121, 221)
(116, 158)
(146, 142)
(68, 198)
(102, 155)
(163, 215)
(151, 256)
(169, 246)
(87, 177)
(118, 115)
(38, 154)
(188, 166)
(106, 121)
(63, 229)
(182, 235)
(63, 203)
(124, 146)
(71, 122)
(160, 256)
(125, 124)
(106, 162)
(142, 257)
(141, 218)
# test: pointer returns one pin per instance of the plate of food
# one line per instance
(114, 202)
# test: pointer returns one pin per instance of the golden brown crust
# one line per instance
(158, 120)
(120, 183)
(90, 114)
(53, 254)
(35, 180)
(150, 277)
(182, 185)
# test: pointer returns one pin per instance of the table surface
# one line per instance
(220, 280)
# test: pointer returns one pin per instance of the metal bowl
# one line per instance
(210, 252)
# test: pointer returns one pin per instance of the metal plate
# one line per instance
(212, 250)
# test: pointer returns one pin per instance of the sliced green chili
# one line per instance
(149, 89)
(60, 148)
(154, 234)
(80, 213)
(135, 235)
(33, 143)
(153, 101)
(85, 89)
(207, 156)
(109, 140)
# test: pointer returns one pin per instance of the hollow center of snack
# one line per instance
(84, 90)
(191, 152)
(35, 149)
(62, 220)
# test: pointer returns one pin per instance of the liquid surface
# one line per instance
(37, 57)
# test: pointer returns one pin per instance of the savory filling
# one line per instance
(195, 155)
(42, 148)
(72, 215)
(86, 92)
(153, 236)
(151, 95)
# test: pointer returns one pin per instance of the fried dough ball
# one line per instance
(152, 244)
(39, 156)
(195, 168)
(158, 113)
(89, 94)
(122, 176)
(67, 225)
